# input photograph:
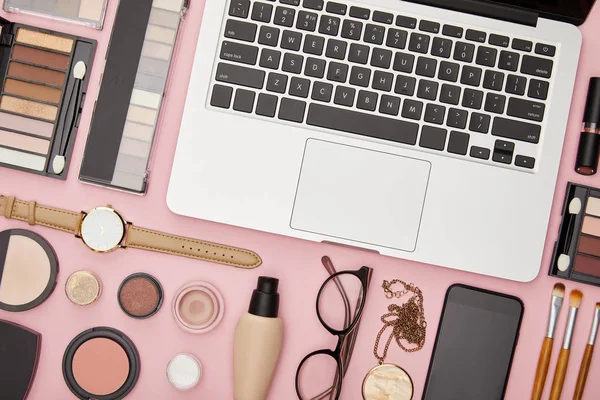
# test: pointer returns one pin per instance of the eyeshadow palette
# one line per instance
(44, 77)
(85, 12)
(577, 251)
(118, 149)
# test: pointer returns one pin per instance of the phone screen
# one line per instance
(474, 347)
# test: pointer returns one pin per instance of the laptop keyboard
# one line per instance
(430, 85)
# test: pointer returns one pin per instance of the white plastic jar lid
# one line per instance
(184, 371)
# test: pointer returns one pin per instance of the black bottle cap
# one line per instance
(588, 153)
(592, 105)
(265, 299)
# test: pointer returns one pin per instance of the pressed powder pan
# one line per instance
(19, 351)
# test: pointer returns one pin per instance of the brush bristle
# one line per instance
(597, 306)
(575, 206)
(559, 290)
(575, 299)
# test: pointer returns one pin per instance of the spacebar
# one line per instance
(362, 124)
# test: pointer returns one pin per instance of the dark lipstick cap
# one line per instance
(592, 105)
(589, 140)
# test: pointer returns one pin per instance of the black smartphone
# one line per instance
(475, 344)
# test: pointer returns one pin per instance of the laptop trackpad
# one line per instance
(360, 195)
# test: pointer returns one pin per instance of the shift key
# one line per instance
(242, 76)
(516, 130)
(238, 52)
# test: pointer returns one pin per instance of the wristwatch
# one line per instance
(103, 229)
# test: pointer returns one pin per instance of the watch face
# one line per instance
(102, 229)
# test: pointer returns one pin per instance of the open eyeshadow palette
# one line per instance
(86, 12)
(44, 76)
(118, 149)
(577, 251)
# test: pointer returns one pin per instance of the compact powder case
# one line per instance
(19, 355)
(83, 288)
(198, 307)
(28, 270)
(84, 12)
(140, 295)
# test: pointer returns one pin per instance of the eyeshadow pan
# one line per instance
(154, 67)
(67, 7)
(587, 265)
(23, 160)
(37, 74)
(28, 107)
(593, 206)
(591, 226)
(137, 131)
(135, 165)
(135, 148)
(40, 57)
(145, 99)
(91, 9)
(141, 115)
(160, 34)
(28, 125)
(22, 142)
(127, 180)
(46, 40)
(171, 5)
(589, 245)
(149, 83)
(156, 50)
(32, 91)
(165, 18)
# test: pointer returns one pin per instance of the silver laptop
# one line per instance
(429, 132)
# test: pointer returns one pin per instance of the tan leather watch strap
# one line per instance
(35, 214)
(141, 238)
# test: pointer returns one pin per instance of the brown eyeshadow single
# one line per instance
(32, 91)
(587, 265)
(36, 74)
(40, 57)
(589, 245)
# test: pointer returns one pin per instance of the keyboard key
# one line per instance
(503, 146)
(405, 85)
(352, 29)
(362, 124)
(472, 99)
(452, 31)
(360, 76)
(426, 67)
(412, 109)
(499, 40)
(383, 17)
(406, 22)
(479, 123)
(270, 59)
(495, 103)
(284, 16)
(322, 91)
(221, 96)
(516, 84)
(523, 45)
(450, 94)
(545, 49)
(329, 25)
(508, 60)
(419, 43)
(516, 130)
(435, 114)
(307, 21)
(441, 47)
(493, 80)
(537, 66)
(525, 162)
(526, 109)
(396, 38)
(538, 89)
(240, 30)
(389, 105)
(291, 40)
(480, 152)
(299, 87)
(239, 8)
(238, 52)
(448, 71)
(367, 100)
(336, 49)
(381, 58)
(501, 157)
(471, 76)
(464, 52)
(313, 4)
(457, 118)
(292, 63)
(374, 34)
(359, 53)
(313, 44)
(476, 36)
(277, 82)
(314, 67)
(427, 90)
(344, 96)
(433, 138)
(458, 143)
(268, 36)
(262, 12)
(336, 8)
(292, 110)
(359, 12)
(290, 2)
(382, 81)
(244, 100)
(266, 105)
(404, 62)
(486, 56)
(429, 26)
(337, 72)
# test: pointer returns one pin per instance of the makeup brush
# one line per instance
(564, 260)
(565, 352)
(558, 293)
(587, 356)
(58, 164)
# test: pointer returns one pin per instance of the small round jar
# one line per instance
(198, 307)
(184, 372)
(140, 295)
(83, 288)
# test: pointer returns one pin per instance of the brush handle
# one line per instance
(560, 373)
(542, 369)
(583, 372)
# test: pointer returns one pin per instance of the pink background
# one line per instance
(295, 262)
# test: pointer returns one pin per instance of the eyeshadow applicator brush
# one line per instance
(564, 260)
(587, 356)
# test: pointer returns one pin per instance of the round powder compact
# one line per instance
(184, 372)
(198, 307)
(28, 270)
(101, 363)
(83, 287)
(140, 295)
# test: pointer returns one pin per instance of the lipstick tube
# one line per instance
(588, 152)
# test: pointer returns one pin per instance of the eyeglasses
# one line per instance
(340, 304)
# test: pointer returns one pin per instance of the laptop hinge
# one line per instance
(485, 9)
